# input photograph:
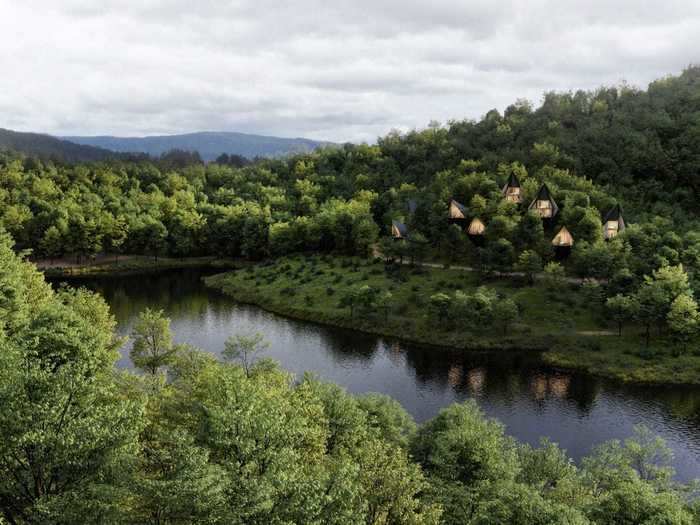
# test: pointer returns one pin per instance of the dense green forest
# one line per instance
(594, 150)
(195, 440)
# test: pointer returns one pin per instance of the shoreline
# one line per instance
(133, 265)
(549, 347)
(577, 352)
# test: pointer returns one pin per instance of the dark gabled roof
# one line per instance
(401, 227)
(545, 195)
(615, 214)
(461, 207)
(513, 182)
(412, 204)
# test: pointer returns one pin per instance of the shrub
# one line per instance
(592, 345)
(647, 354)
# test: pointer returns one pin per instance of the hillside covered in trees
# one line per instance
(48, 147)
(615, 150)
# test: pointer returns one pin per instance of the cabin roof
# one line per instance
(513, 182)
(615, 214)
(545, 195)
(401, 227)
(461, 206)
(563, 238)
(476, 227)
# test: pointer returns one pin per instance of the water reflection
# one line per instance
(575, 410)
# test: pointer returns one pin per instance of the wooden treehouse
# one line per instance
(562, 243)
(512, 191)
(399, 231)
(475, 231)
(457, 213)
(613, 223)
(544, 204)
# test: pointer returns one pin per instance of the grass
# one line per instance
(564, 326)
(133, 264)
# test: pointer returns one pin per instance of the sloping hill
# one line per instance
(46, 146)
(209, 144)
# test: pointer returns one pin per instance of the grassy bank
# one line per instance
(565, 326)
(132, 264)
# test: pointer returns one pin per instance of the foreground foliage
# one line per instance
(194, 440)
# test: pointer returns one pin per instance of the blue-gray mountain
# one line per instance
(46, 146)
(209, 145)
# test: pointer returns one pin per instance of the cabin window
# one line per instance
(544, 208)
(513, 194)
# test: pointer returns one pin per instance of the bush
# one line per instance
(330, 291)
(592, 345)
(647, 354)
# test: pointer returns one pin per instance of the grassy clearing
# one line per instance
(132, 264)
(565, 326)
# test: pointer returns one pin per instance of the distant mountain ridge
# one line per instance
(46, 146)
(209, 144)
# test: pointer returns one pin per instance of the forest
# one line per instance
(594, 151)
(191, 439)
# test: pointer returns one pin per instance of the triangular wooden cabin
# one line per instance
(613, 223)
(563, 242)
(512, 191)
(399, 231)
(544, 204)
(475, 231)
(457, 212)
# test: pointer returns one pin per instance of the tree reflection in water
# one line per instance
(532, 400)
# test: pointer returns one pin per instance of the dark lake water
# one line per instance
(575, 410)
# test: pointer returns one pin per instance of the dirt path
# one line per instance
(539, 276)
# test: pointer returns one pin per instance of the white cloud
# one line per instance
(339, 70)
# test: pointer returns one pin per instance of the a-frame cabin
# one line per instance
(457, 212)
(613, 223)
(512, 191)
(475, 231)
(399, 231)
(544, 204)
(562, 243)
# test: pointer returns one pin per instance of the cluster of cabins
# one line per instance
(543, 205)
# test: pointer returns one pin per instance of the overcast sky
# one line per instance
(337, 70)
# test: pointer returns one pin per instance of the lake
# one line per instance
(575, 410)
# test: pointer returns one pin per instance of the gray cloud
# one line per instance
(341, 70)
